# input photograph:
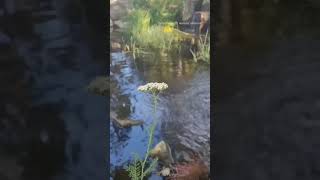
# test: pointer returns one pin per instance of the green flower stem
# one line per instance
(152, 128)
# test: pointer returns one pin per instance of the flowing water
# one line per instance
(183, 110)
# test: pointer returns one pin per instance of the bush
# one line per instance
(160, 10)
(144, 36)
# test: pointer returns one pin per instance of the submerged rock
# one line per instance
(99, 86)
(125, 122)
(115, 46)
(163, 152)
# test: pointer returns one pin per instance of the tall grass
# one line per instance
(150, 25)
(203, 52)
(138, 22)
(160, 10)
(146, 37)
(151, 29)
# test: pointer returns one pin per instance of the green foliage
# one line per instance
(138, 22)
(153, 39)
(134, 170)
(156, 38)
(151, 29)
(160, 10)
(203, 52)
(147, 24)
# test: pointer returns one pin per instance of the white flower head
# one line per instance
(153, 87)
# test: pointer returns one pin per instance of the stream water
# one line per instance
(183, 110)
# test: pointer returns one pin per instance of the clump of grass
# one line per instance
(160, 10)
(158, 38)
(138, 22)
(155, 38)
(151, 30)
(203, 52)
(150, 26)
(138, 170)
(134, 49)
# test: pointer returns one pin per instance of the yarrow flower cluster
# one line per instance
(153, 87)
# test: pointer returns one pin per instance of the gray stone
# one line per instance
(163, 152)
(119, 9)
(124, 122)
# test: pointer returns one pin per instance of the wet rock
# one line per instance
(163, 152)
(125, 122)
(119, 24)
(119, 9)
(99, 86)
(115, 46)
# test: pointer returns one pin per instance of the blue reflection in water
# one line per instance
(128, 80)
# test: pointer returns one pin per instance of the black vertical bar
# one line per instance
(107, 21)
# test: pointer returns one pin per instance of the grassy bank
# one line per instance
(151, 26)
